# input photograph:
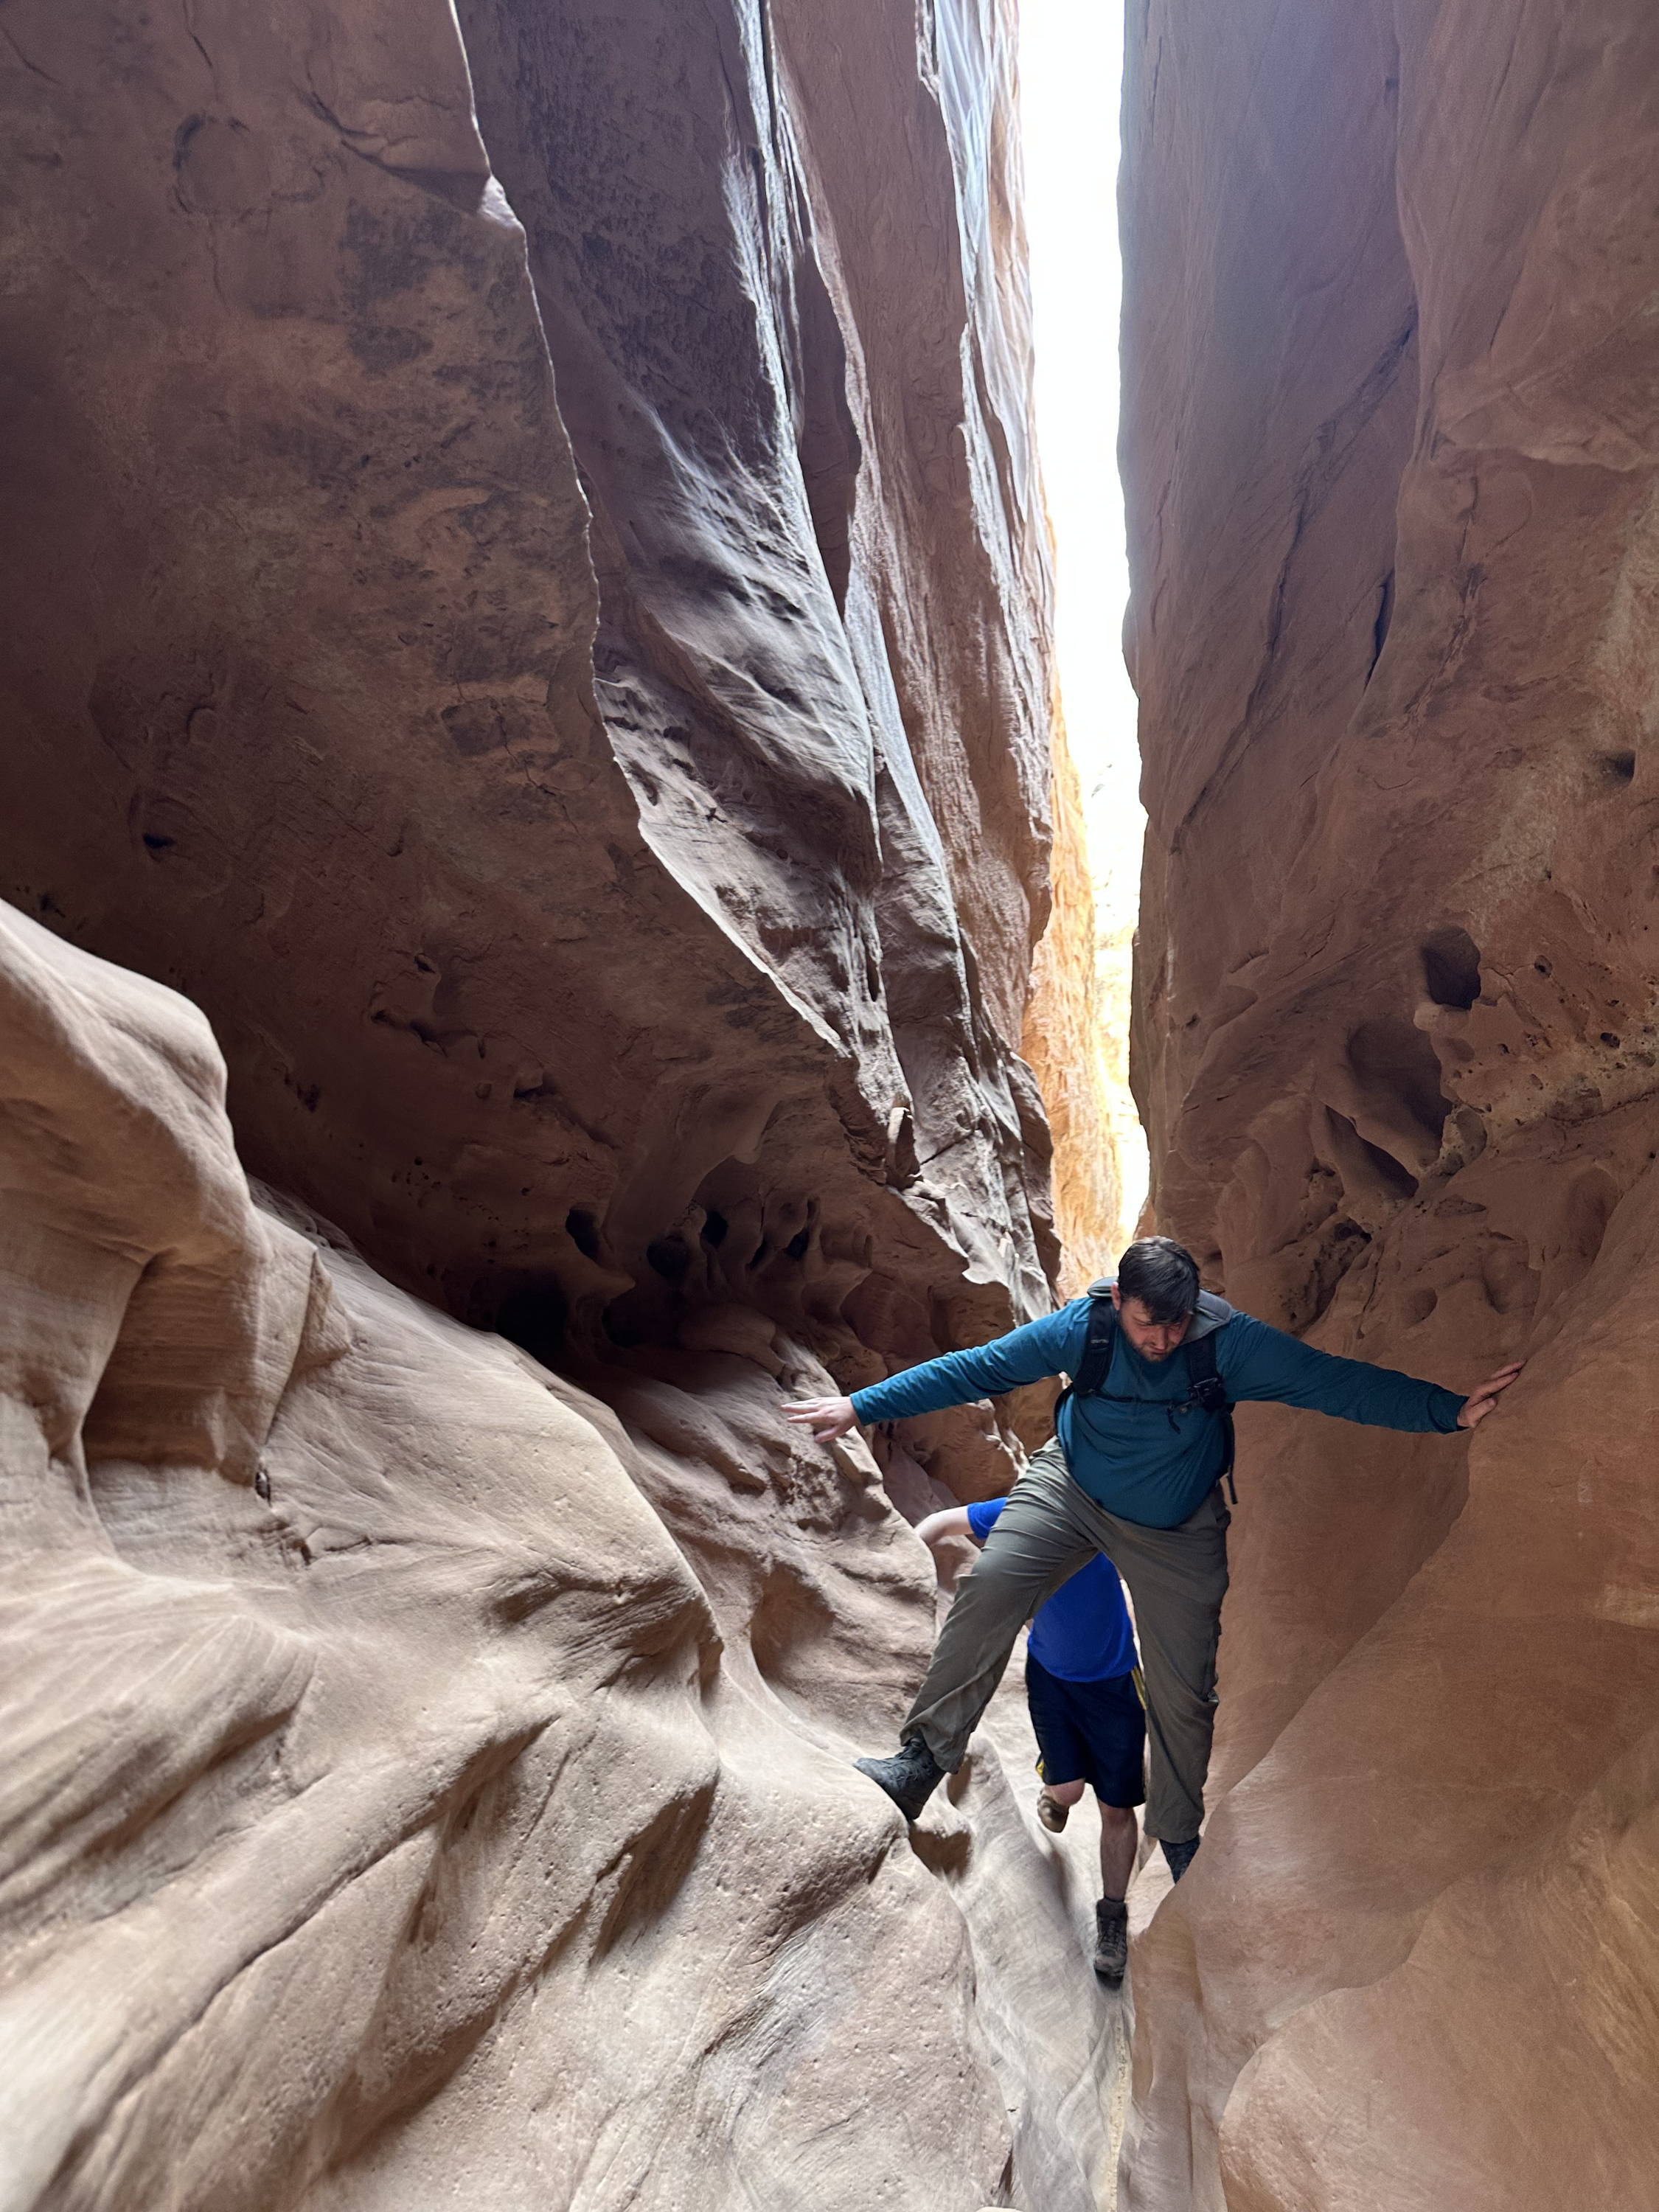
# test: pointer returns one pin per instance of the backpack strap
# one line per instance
(1207, 1390)
(1096, 1360)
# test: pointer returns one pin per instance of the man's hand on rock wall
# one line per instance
(829, 1417)
(1480, 1402)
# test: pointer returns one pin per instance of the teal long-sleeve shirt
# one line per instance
(1138, 1449)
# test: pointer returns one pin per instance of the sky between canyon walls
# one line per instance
(1071, 63)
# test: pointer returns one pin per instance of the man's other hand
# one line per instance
(826, 1416)
(1480, 1402)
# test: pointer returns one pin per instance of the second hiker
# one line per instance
(1083, 1687)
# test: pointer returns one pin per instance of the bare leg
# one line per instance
(1119, 1836)
(1055, 1803)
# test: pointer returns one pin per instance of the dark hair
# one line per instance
(1162, 1274)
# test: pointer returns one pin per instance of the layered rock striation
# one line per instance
(528, 606)
(1392, 452)
(529, 626)
(422, 1781)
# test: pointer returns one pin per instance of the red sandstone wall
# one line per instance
(1390, 444)
(527, 603)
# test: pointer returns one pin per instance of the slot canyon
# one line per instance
(547, 911)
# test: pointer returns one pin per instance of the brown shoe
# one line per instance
(1111, 1939)
(1053, 1815)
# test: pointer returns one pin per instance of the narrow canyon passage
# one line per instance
(547, 914)
(530, 735)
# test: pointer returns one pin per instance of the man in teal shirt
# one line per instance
(1132, 1472)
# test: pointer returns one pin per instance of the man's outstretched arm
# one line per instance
(1025, 1355)
(1264, 1364)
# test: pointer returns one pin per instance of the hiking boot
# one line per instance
(1111, 1939)
(1180, 1857)
(910, 1779)
(1053, 1815)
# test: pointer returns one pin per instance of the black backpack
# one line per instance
(1205, 1388)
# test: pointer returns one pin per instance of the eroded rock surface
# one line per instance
(1391, 445)
(527, 605)
(537, 620)
(423, 1780)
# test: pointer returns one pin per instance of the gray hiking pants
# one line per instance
(1177, 1576)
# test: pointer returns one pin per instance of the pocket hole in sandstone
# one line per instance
(533, 1318)
(670, 1258)
(1399, 1075)
(1451, 968)
(583, 1231)
(1589, 1208)
(1509, 1283)
(619, 1328)
(1366, 1171)
(1580, 1228)
(715, 1228)
(1619, 767)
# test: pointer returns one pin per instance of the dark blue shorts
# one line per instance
(1092, 1732)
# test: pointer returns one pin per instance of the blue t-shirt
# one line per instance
(1082, 1633)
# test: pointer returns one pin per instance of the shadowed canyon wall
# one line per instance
(1392, 454)
(528, 635)
(532, 620)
